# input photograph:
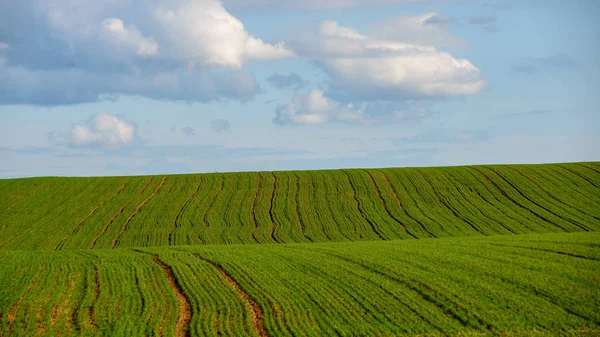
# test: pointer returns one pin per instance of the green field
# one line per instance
(506, 250)
(537, 284)
(298, 206)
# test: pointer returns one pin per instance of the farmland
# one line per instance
(298, 206)
(507, 250)
(536, 284)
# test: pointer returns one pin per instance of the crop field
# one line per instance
(534, 285)
(298, 206)
(494, 250)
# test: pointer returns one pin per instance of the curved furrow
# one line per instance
(178, 216)
(513, 185)
(137, 210)
(60, 244)
(517, 203)
(260, 180)
(105, 228)
(374, 227)
(389, 213)
(182, 329)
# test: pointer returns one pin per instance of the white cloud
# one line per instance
(314, 108)
(129, 36)
(190, 50)
(205, 32)
(104, 130)
(374, 68)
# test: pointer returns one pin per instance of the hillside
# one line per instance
(513, 285)
(298, 206)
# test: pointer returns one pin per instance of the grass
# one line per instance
(298, 206)
(506, 250)
(536, 284)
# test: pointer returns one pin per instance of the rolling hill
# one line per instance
(494, 250)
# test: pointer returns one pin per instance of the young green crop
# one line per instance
(512, 285)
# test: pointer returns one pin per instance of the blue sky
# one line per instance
(150, 87)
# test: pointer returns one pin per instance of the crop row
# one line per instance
(298, 206)
(542, 284)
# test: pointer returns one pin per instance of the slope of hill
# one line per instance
(512, 285)
(298, 206)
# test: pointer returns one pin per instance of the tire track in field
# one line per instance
(211, 204)
(271, 210)
(75, 229)
(256, 313)
(11, 315)
(448, 206)
(27, 198)
(260, 181)
(536, 203)
(360, 210)
(588, 167)
(185, 309)
(12, 237)
(119, 213)
(393, 189)
(446, 304)
(385, 206)
(486, 177)
(563, 205)
(478, 209)
(302, 224)
(567, 179)
(549, 251)
(137, 210)
(579, 175)
(96, 296)
(21, 192)
(187, 201)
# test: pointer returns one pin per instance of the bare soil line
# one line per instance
(137, 210)
(11, 237)
(96, 295)
(21, 192)
(256, 313)
(11, 316)
(27, 198)
(185, 312)
(80, 223)
(260, 180)
(118, 213)
(385, 206)
(187, 201)
(271, 211)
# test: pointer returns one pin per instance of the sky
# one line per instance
(126, 87)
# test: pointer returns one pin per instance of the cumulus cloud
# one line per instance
(382, 75)
(220, 125)
(129, 37)
(292, 80)
(103, 130)
(373, 68)
(181, 50)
